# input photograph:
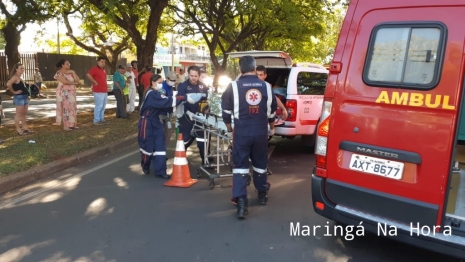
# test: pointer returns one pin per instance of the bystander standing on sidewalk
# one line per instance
(140, 87)
(145, 79)
(38, 78)
(98, 77)
(181, 77)
(119, 84)
(66, 95)
(132, 88)
(20, 92)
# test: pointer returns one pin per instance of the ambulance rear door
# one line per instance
(394, 112)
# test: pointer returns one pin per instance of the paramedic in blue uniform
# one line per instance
(194, 94)
(250, 103)
(151, 135)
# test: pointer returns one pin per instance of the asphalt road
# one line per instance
(107, 210)
(46, 107)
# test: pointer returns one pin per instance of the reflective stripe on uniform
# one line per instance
(159, 153)
(200, 139)
(180, 161)
(148, 92)
(269, 92)
(240, 170)
(145, 152)
(227, 111)
(236, 99)
(258, 170)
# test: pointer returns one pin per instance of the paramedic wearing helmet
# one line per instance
(194, 94)
(250, 101)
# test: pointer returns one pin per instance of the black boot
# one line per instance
(262, 197)
(242, 207)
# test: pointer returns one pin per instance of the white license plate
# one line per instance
(377, 166)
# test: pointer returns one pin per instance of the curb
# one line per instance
(20, 179)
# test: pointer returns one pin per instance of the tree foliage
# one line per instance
(17, 16)
(317, 47)
(100, 35)
(140, 19)
(237, 25)
(223, 25)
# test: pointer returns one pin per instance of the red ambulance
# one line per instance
(387, 149)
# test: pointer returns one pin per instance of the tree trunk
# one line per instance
(146, 48)
(12, 37)
(112, 65)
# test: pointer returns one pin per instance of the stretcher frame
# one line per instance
(213, 126)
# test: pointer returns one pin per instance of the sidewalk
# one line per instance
(50, 93)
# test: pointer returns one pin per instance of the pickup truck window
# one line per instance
(309, 83)
(406, 56)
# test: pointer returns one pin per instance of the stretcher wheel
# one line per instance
(249, 179)
(198, 173)
(212, 184)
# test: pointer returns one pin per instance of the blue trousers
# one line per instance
(100, 104)
(185, 127)
(254, 147)
(152, 145)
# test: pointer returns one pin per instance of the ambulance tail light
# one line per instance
(291, 106)
(321, 145)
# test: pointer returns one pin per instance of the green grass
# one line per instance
(52, 143)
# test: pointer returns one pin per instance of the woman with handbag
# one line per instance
(20, 98)
(66, 95)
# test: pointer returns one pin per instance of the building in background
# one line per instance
(182, 56)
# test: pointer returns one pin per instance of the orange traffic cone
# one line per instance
(181, 176)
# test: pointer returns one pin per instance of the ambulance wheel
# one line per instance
(212, 184)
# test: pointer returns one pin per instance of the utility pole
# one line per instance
(58, 35)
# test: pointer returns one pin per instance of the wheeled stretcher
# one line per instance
(214, 130)
(221, 152)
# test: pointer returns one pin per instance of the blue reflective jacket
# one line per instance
(252, 104)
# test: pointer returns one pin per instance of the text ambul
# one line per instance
(415, 99)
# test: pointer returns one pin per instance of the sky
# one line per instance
(27, 36)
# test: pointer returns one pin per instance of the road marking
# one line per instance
(35, 193)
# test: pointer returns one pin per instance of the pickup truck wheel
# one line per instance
(309, 142)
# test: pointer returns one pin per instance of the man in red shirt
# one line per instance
(145, 79)
(98, 77)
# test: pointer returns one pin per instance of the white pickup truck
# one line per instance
(299, 86)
